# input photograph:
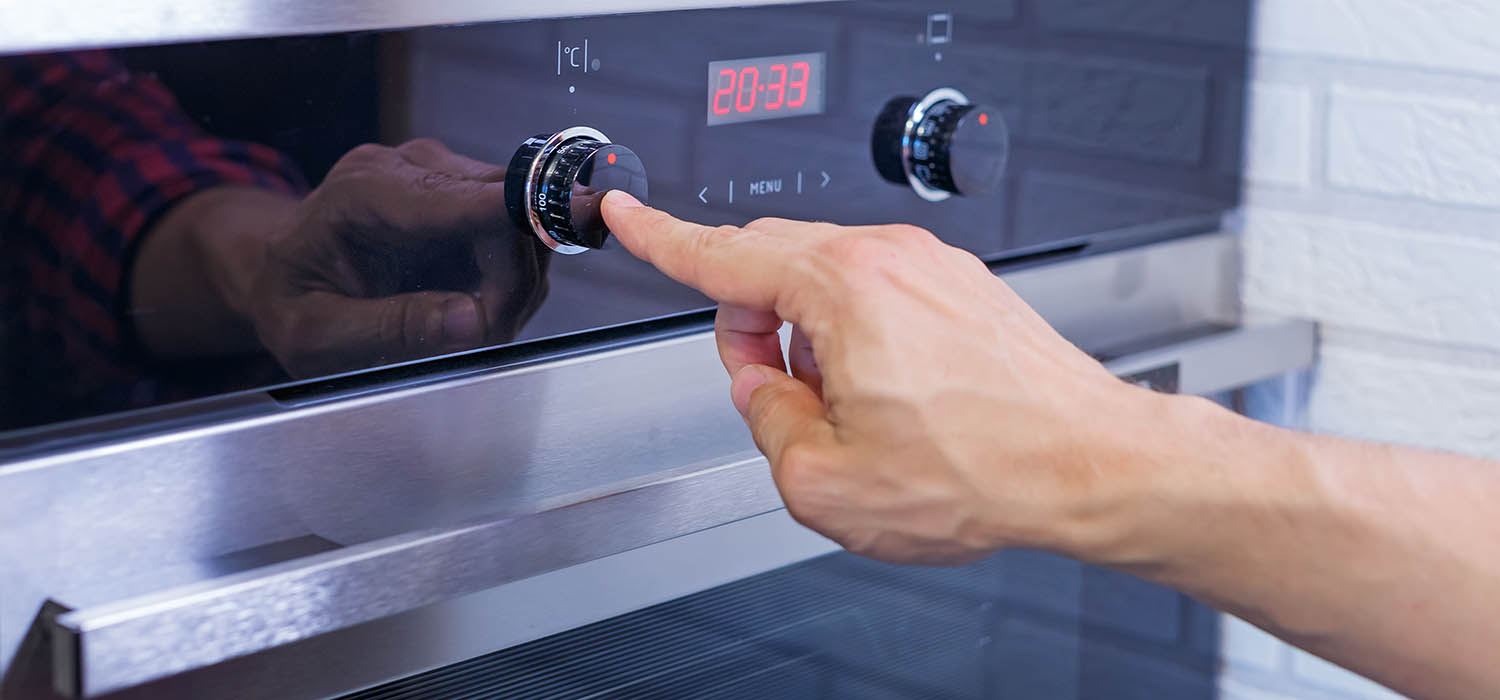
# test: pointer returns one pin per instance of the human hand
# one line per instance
(401, 253)
(930, 415)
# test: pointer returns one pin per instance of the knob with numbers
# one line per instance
(941, 145)
(555, 182)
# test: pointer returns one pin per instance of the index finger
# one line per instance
(730, 265)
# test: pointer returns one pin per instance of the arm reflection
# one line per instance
(148, 260)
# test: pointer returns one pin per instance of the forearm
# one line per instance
(1383, 559)
(194, 272)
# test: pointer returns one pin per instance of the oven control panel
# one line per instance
(1006, 127)
(1019, 130)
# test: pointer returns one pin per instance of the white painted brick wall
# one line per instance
(1446, 35)
(1443, 149)
(1278, 149)
(1373, 206)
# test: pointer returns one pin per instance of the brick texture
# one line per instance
(1373, 207)
(1442, 149)
(1279, 135)
(1446, 35)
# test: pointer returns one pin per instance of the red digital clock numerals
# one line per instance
(726, 89)
(767, 87)
(740, 89)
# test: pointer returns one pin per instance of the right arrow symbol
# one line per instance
(702, 195)
(825, 178)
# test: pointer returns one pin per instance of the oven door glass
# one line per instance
(1020, 625)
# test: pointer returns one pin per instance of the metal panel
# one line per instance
(1230, 359)
(38, 26)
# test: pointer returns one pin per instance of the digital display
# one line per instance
(771, 87)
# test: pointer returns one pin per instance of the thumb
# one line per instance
(780, 410)
(336, 333)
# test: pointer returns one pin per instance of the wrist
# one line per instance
(1172, 472)
(192, 279)
(233, 227)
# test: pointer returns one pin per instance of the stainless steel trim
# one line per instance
(538, 172)
(502, 617)
(1230, 359)
(43, 26)
(109, 526)
(913, 121)
(119, 645)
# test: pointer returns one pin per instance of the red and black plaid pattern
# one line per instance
(91, 155)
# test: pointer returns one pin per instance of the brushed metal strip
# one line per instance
(130, 642)
(1233, 358)
(70, 24)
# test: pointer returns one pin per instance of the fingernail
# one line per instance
(461, 324)
(622, 199)
(744, 383)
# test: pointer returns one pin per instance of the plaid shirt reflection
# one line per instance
(91, 156)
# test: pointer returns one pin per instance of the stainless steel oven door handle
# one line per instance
(107, 648)
(111, 647)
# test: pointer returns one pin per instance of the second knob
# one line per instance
(941, 145)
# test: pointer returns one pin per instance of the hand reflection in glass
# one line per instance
(400, 253)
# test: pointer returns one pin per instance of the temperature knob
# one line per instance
(555, 182)
(941, 145)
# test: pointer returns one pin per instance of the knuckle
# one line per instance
(423, 145)
(765, 223)
(799, 466)
(968, 261)
(722, 234)
(713, 239)
(365, 153)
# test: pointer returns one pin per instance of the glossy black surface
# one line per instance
(971, 149)
(1124, 125)
(594, 171)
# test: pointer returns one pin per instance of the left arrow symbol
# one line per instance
(703, 195)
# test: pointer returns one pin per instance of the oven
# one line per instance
(566, 504)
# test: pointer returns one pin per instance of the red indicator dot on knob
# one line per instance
(984, 119)
(610, 158)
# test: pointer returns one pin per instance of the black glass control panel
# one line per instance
(189, 220)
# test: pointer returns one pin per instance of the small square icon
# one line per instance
(939, 28)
